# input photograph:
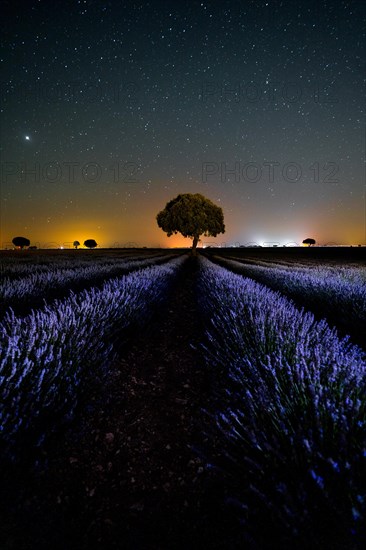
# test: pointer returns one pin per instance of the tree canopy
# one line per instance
(21, 242)
(192, 215)
(309, 241)
(90, 243)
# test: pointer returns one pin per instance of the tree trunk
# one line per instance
(194, 246)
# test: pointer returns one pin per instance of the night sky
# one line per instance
(110, 109)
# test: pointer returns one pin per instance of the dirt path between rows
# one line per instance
(127, 474)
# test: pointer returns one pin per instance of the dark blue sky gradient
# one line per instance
(110, 109)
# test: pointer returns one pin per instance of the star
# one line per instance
(27, 138)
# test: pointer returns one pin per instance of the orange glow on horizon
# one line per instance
(138, 227)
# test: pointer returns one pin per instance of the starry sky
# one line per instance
(110, 109)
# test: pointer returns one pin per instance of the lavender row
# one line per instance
(353, 273)
(337, 294)
(38, 284)
(45, 356)
(291, 412)
(15, 267)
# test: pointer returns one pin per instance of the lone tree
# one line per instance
(90, 243)
(20, 242)
(76, 244)
(191, 215)
(309, 241)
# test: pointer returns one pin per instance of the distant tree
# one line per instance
(309, 241)
(90, 243)
(20, 242)
(191, 215)
(76, 244)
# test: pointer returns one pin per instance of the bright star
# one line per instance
(27, 138)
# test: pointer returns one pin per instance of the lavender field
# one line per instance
(260, 357)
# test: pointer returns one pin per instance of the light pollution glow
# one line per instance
(140, 227)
